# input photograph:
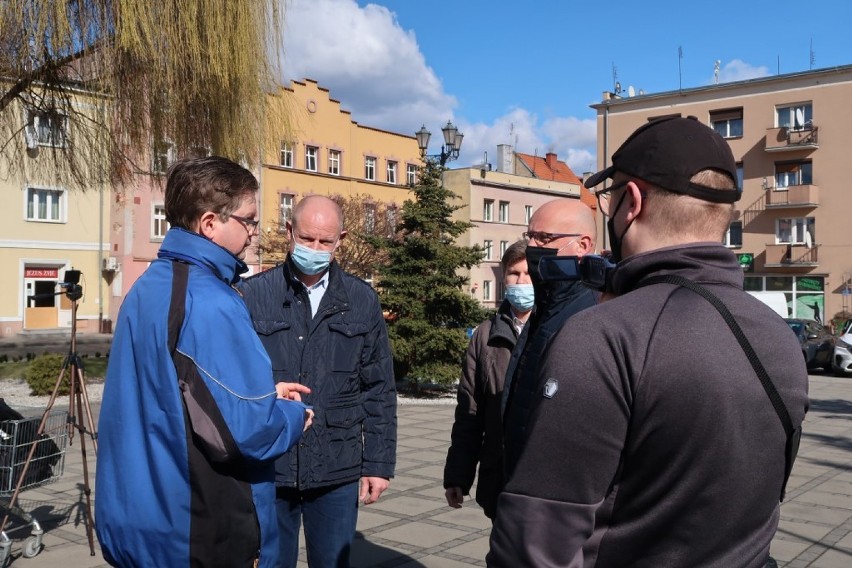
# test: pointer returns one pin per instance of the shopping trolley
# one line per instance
(46, 466)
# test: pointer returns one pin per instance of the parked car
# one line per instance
(816, 341)
(842, 362)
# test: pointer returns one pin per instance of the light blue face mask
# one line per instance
(310, 261)
(520, 296)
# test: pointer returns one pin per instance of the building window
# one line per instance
(391, 172)
(45, 204)
(311, 153)
(795, 117)
(527, 214)
(740, 176)
(793, 173)
(486, 289)
(795, 231)
(286, 155)
(488, 210)
(370, 168)
(391, 219)
(503, 211)
(285, 210)
(159, 225)
(488, 245)
(734, 235)
(334, 162)
(163, 154)
(503, 246)
(411, 174)
(369, 218)
(728, 123)
(46, 128)
(805, 294)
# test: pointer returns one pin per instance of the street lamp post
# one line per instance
(452, 143)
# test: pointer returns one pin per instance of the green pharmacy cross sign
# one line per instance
(746, 260)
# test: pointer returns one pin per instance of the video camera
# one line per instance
(71, 284)
(592, 269)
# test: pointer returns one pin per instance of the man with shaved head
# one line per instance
(324, 328)
(562, 227)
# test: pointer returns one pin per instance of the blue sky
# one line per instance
(525, 73)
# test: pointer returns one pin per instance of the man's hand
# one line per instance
(291, 391)
(309, 419)
(454, 497)
(372, 488)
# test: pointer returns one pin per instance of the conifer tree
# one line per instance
(423, 295)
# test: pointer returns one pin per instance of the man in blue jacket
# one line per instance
(324, 329)
(164, 496)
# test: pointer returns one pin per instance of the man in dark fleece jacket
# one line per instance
(652, 441)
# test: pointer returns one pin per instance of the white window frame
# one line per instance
(369, 218)
(794, 176)
(391, 218)
(503, 246)
(285, 209)
(370, 168)
(797, 228)
(488, 210)
(334, 162)
(37, 134)
(286, 159)
(503, 211)
(391, 175)
(53, 197)
(311, 158)
(488, 246)
(528, 211)
(162, 156)
(411, 174)
(727, 240)
(159, 225)
(785, 116)
(486, 289)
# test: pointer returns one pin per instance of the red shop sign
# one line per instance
(41, 272)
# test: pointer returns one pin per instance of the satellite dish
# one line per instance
(800, 117)
(630, 91)
(808, 241)
(617, 87)
(641, 92)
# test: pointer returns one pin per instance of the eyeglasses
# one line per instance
(604, 196)
(250, 224)
(543, 238)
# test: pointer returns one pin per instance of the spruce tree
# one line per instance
(421, 290)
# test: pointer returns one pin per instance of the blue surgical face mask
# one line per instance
(520, 296)
(310, 261)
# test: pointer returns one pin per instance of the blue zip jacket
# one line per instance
(160, 501)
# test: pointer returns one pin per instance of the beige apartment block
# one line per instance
(499, 202)
(329, 153)
(790, 135)
(48, 228)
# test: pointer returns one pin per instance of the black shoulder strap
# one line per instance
(177, 309)
(793, 434)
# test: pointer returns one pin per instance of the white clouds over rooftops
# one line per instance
(377, 71)
(739, 70)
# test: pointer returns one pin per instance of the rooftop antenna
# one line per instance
(813, 54)
(716, 66)
(679, 70)
(616, 86)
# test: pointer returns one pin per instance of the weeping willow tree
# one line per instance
(87, 87)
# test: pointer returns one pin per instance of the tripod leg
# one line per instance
(80, 396)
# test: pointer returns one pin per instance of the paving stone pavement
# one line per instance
(411, 526)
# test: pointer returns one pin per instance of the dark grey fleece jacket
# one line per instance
(652, 441)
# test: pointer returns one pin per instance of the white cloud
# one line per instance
(376, 69)
(739, 70)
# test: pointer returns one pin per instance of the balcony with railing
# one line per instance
(793, 196)
(786, 255)
(786, 139)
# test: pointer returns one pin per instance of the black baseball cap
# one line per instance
(667, 152)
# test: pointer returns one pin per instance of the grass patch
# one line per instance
(93, 368)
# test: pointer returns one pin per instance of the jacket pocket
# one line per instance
(345, 412)
(275, 335)
(345, 343)
(264, 327)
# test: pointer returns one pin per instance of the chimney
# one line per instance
(505, 159)
(550, 159)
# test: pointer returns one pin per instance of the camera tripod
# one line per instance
(72, 367)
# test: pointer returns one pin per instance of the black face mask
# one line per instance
(534, 256)
(616, 241)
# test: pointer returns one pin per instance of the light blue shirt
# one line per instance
(316, 292)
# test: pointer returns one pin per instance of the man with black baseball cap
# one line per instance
(655, 439)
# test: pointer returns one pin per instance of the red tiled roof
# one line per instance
(557, 170)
